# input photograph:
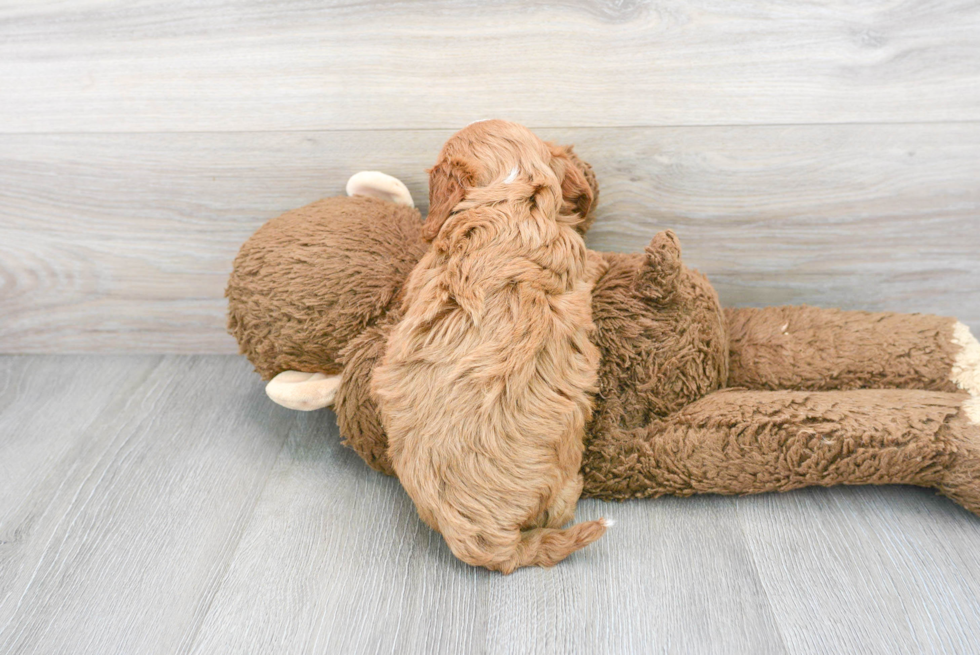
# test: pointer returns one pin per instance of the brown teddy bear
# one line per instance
(692, 399)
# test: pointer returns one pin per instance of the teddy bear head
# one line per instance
(311, 280)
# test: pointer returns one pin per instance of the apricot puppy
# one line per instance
(485, 387)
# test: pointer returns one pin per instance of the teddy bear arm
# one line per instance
(824, 349)
(357, 412)
(744, 442)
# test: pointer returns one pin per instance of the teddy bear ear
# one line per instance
(378, 185)
(447, 188)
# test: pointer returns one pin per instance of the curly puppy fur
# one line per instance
(485, 387)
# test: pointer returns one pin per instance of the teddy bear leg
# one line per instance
(742, 442)
(961, 480)
(826, 349)
(378, 185)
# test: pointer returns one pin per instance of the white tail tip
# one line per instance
(608, 522)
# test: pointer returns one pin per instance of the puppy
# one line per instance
(485, 386)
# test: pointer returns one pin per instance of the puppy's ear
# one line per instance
(448, 181)
(578, 185)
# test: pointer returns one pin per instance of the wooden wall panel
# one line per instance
(94, 66)
(123, 242)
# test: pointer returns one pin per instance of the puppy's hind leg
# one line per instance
(538, 547)
(562, 508)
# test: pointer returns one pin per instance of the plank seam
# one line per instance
(666, 126)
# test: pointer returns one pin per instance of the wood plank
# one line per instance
(46, 406)
(868, 570)
(123, 243)
(336, 560)
(209, 66)
(119, 521)
(155, 504)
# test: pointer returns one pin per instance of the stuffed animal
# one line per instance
(692, 398)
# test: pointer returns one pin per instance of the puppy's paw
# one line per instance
(378, 185)
(966, 366)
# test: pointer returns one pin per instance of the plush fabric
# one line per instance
(309, 281)
(738, 441)
(818, 397)
(823, 349)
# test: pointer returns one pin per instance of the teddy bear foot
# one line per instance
(961, 482)
(378, 185)
(966, 366)
(303, 391)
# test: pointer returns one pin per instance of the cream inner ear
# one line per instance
(378, 185)
(303, 391)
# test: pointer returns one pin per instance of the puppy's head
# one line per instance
(495, 152)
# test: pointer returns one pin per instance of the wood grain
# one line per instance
(46, 405)
(132, 480)
(336, 560)
(123, 243)
(92, 66)
(868, 570)
(163, 505)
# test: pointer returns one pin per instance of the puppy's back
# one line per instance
(485, 386)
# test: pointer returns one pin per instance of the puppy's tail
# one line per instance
(548, 546)
(537, 547)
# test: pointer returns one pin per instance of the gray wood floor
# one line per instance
(161, 504)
